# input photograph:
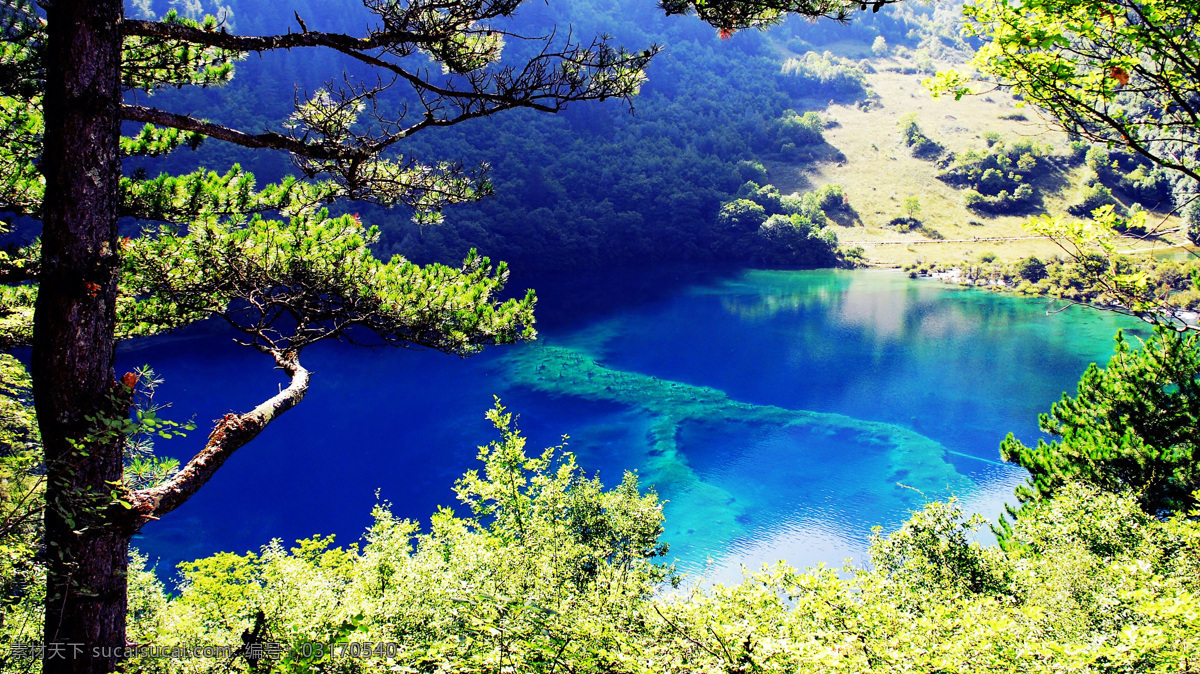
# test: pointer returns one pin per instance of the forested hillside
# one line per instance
(595, 185)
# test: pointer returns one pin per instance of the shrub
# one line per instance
(830, 197)
(1090, 198)
(1031, 269)
(998, 178)
(1132, 174)
(742, 214)
(823, 74)
(798, 129)
(915, 139)
(796, 240)
(751, 171)
(992, 182)
(1077, 152)
(766, 196)
(1186, 299)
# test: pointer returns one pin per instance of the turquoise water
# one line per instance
(782, 414)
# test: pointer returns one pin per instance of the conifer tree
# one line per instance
(1132, 427)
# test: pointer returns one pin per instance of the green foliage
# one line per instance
(1030, 269)
(752, 171)
(1155, 288)
(21, 125)
(16, 301)
(767, 196)
(787, 229)
(824, 75)
(22, 490)
(1092, 195)
(915, 139)
(938, 602)
(729, 16)
(742, 214)
(1099, 273)
(1132, 426)
(912, 206)
(800, 130)
(830, 197)
(1191, 218)
(1119, 72)
(911, 224)
(323, 282)
(998, 180)
(21, 499)
(796, 240)
(549, 571)
(1134, 175)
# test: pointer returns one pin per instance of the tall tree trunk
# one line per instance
(73, 334)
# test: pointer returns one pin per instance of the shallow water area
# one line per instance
(782, 414)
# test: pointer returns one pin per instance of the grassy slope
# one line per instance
(879, 173)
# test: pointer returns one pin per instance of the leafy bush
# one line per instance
(787, 229)
(546, 565)
(796, 240)
(909, 224)
(742, 214)
(766, 196)
(1191, 220)
(1132, 174)
(1083, 577)
(808, 206)
(998, 178)
(917, 142)
(751, 171)
(1077, 152)
(830, 197)
(823, 75)
(1031, 269)
(800, 130)
(1092, 195)
(546, 570)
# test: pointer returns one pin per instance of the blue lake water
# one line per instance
(782, 414)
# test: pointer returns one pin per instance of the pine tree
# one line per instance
(1133, 426)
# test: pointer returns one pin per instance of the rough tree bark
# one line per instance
(73, 333)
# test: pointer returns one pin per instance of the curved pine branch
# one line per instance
(229, 435)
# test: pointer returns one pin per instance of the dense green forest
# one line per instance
(544, 568)
(596, 185)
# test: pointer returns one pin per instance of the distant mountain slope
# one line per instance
(598, 186)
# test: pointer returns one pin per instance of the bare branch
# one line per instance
(269, 139)
(248, 43)
(229, 435)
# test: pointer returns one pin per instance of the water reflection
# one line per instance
(777, 411)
